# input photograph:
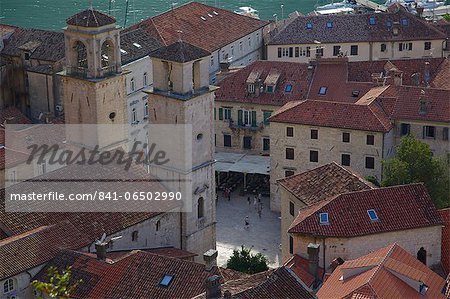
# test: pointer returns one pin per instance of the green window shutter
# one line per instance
(267, 114)
(220, 114)
(253, 118)
(240, 117)
(214, 113)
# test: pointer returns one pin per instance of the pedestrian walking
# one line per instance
(249, 200)
(260, 207)
(246, 222)
(229, 194)
(259, 196)
(255, 202)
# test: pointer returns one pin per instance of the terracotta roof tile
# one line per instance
(203, 26)
(234, 88)
(90, 18)
(441, 78)
(388, 277)
(445, 248)
(33, 248)
(355, 28)
(12, 115)
(398, 208)
(119, 279)
(180, 51)
(299, 266)
(336, 115)
(324, 182)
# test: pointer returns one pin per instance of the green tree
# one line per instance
(244, 261)
(446, 16)
(59, 286)
(414, 163)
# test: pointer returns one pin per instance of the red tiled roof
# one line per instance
(33, 248)
(90, 18)
(10, 158)
(209, 34)
(336, 115)
(299, 266)
(390, 273)
(234, 88)
(333, 74)
(445, 247)
(398, 208)
(362, 71)
(136, 275)
(324, 182)
(282, 283)
(442, 77)
(13, 115)
(404, 102)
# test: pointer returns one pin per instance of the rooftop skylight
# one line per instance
(166, 280)
(323, 218)
(372, 215)
(309, 25)
(323, 90)
(137, 45)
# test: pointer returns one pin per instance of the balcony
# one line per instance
(235, 125)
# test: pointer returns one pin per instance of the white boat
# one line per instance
(343, 7)
(247, 11)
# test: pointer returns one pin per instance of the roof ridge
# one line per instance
(381, 264)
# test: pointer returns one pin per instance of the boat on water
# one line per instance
(412, 4)
(344, 7)
(247, 11)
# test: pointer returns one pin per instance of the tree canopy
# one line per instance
(244, 261)
(414, 163)
(60, 286)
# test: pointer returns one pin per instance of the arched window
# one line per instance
(422, 255)
(134, 236)
(133, 115)
(158, 225)
(107, 53)
(81, 53)
(145, 79)
(200, 207)
(8, 286)
(133, 85)
(146, 110)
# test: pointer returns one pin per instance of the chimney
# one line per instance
(427, 74)
(313, 260)
(210, 258)
(224, 66)
(213, 289)
(100, 248)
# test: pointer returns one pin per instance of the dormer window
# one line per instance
(372, 20)
(323, 90)
(372, 215)
(309, 25)
(27, 55)
(251, 88)
(355, 93)
(423, 107)
(404, 22)
(269, 88)
(423, 288)
(323, 218)
(330, 24)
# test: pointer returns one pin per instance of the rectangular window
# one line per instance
(370, 140)
(427, 46)
(269, 88)
(266, 116)
(227, 140)
(323, 218)
(266, 144)
(346, 137)
(313, 156)
(308, 51)
(297, 52)
(212, 60)
(405, 46)
(249, 41)
(372, 215)
(289, 153)
(247, 142)
(336, 50)
(345, 159)
(370, 162)
(291, 208)
(383, 48)
(289, 131)
(220, 113)
(249, 118)
(319, 51)
(251, 88)
(445, 133)
(291, 245)
(323, 90)
(227, 114)
(354, 50)
(279, 52)
(291, 52)
(404, 129)
(288, 173)
(232, 50)
(429, 132)
(241, 47)
(314, 134)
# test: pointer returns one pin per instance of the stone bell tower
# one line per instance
(94, 86)
(181, 95)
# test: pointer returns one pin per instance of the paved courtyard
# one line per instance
(263, 234)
